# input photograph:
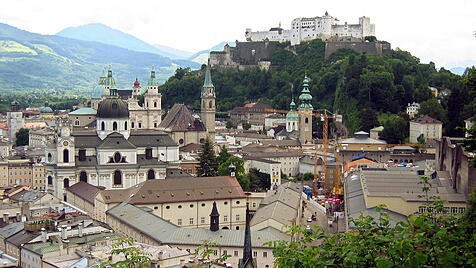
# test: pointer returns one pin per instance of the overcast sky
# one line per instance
(441, 31)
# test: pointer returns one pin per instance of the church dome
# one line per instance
(113, 108)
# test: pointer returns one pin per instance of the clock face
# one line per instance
(65, 143)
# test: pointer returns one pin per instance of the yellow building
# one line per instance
(3, 173)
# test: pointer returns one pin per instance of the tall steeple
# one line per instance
(153, 102)
(247, 261)
(208, 108)
(214, 218)
(305, 113)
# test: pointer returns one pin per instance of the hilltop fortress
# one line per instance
(306, 29)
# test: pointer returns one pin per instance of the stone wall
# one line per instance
(374, 48)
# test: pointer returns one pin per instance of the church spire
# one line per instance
(214, 218)
(208, 77)
(247, 261)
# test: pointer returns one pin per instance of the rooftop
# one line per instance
(426, 120)
(84, 111)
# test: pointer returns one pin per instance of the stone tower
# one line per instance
(153, 102)
(292, 118)
(305, 113)
(208, 102)
(15, 121)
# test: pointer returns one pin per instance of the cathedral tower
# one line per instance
(305, 113)
(292, 118)
(153, 102)
(208, 102)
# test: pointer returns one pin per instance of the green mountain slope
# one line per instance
(369, 90)
(34, 61)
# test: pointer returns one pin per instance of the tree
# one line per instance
(223, 156)
(368, 119)
(229, 124)
(204, 253)
(469, 143)
(246, 125)
(395, 129)
(22, 137)
(240, 173)
(421, 139)
(208, 162)
(433, 109)
(427, 239)
(132, 256)
(259, 181)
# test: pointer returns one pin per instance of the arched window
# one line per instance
(82, 155)
(306, 120)
(125, 125)
(103, 126)
(66, 155)
(66, 183)
(155, 104)
(132, 125)
(150, 174)
(83, 176)
(114, 126)
(210, 104)
(50, 157)
(50, 180)
(117, 177)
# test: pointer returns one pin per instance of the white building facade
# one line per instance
(306, 29)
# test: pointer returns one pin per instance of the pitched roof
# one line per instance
(84, 111)
(86, 191)
(180, 118)
(116, 141)
(426, 120)
(177, 190)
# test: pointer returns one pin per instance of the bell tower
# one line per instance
(305, 113)
(208, 107)
(153, 102)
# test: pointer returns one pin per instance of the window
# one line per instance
(235, 253)
(66, 183)
(125, 125)
(117, 157)
(180, 206)
(155, 104)
(66, 155)
(225, 218)
(237, 217)
(83, 176)
(191, 221)
(265, 254)
(103, 126)
(306, 120)
(202, 220)
(167, 207)
(117, 177)
(155, 125)
(132, 125)
(226, 203)
(225, 252)
(191, 205)
(140, 125)
(148, 153)
(150, 174)
(50, 180)
(181, 141)
(50, 157)
(210, 104)
(254, 204)
(114, 126)
(82, 154)
(203, 204)
(237, 202)
(156, 208)
(179, 222)
(255, 254)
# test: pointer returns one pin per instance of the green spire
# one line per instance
(152, 80)
(305, 98)
(208, 77)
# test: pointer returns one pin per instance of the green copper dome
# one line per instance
(152, 80)
(208, 78)
(110, 80)
(305, 98)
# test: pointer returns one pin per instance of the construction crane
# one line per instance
(323, 179)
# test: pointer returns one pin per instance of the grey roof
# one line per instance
(28, 196)
(22, 237)
(115, 141)
(139, 138)
(84, 190)
(165, 232)
(179, 118)
(113, 108)
(11, 229)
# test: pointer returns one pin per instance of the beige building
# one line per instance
(288, 160)
(397, 188)
(429, 127)
(185, 202)
(4, 173)
(83, 117)
(272, 168)
(145, 227)
(5, 149)
(40, 137)
(22, 172)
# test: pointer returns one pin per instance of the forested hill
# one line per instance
(369, 90)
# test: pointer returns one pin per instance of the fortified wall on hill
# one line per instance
(357, 45)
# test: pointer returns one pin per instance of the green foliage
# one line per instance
(259, 181)
(223, 155)
(246, 125)
(428, 239)
(240, 172)
(368, 119)
(205, 252)
(208, 162)
(470, 143)
(229, 124)
(133, 256)
(22, 137)
(395, 129)
(421, 139)
(433, 108)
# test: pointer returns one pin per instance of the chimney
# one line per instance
(43, 235)
(80, 229)
(6, 218)
(64, 234)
